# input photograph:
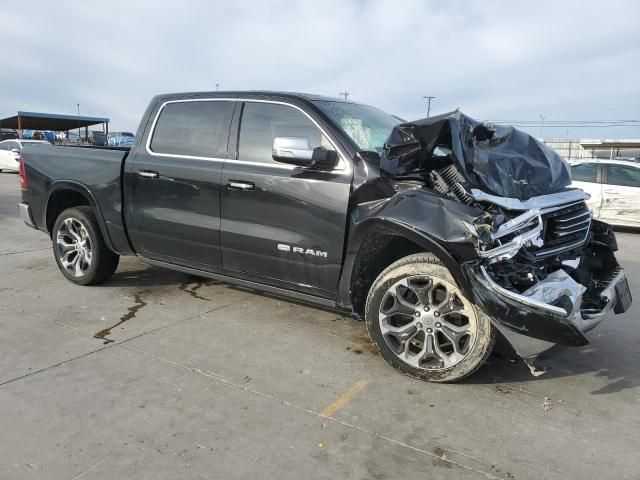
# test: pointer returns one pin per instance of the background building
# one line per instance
(576, 149)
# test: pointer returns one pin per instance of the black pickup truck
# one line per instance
(441, 232)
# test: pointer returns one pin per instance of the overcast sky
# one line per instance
(497, 60)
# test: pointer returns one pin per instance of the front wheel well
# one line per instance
(60, 200)
(377, 252)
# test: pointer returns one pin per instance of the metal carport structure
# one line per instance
(51, 121)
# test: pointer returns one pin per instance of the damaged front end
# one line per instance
(545, 271)
(546, 275)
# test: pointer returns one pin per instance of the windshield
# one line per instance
(367, 126)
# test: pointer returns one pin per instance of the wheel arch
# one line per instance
(64, 194)
(376, 244)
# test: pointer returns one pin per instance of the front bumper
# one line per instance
(25, 213)
(559, 310)
(615, 295)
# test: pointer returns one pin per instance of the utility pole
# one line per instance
(428, 98)
(78, 123)
(217, 87)
(542, 117)
(344, 94)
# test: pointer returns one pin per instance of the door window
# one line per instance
(4, 146)
(623, 175)
(262, 122)
(195, 129)
(585, 172)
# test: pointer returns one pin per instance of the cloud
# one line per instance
(494, 59)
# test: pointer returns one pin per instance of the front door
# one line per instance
(621, 195)
(174, 182)
(586, 176)
(282, 224)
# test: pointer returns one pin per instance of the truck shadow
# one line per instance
(146, 276)
(604, 360)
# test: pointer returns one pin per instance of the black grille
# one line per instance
(565, 229)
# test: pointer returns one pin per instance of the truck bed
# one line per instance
(94, 172)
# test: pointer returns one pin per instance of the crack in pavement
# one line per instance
(24, 251)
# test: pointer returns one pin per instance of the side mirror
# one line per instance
(16, 151)
(298, 151)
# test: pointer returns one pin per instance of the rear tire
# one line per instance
(423, 325)
(79, 248)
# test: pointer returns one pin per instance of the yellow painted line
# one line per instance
(344, 399)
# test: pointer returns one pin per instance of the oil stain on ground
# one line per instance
(192, 289)
(131, 313)
(361, 338)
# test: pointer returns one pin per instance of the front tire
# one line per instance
(422, 324)
(79, 248)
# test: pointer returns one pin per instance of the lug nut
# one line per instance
(418, 326)
(426, 309)
(438, 325)
(429, 330)
(436, 314)
(417, 314)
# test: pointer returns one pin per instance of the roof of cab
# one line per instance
(251, 94)
(603, 161)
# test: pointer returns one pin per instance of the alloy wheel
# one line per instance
(73, 247)
(427, 322)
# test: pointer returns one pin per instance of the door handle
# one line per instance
(148, 174)
(238, 185)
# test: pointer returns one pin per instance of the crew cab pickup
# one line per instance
(441, 233)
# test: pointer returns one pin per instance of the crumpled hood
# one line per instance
(498, 159)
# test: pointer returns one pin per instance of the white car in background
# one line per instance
(10, 151)
(614, 186)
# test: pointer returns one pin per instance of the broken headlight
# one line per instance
(502, 242)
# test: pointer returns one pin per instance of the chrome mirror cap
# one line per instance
(292, 148)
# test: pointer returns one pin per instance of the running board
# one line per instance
(282, 292)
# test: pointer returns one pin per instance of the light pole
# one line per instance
(217, 87)
(344, 94)
(428, 98)
(542, 117)
(78, 123)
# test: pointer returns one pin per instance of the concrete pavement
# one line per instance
(196, 379)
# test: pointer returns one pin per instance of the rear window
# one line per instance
(195, 129)
(585, 172)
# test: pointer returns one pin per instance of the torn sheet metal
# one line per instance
(498, 159)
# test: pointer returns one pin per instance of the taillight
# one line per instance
(23, 173)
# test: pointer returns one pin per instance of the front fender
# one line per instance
(419, 215)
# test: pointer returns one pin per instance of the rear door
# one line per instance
(281, 224)
(621, 195)
(587, 176)
(174, 202)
